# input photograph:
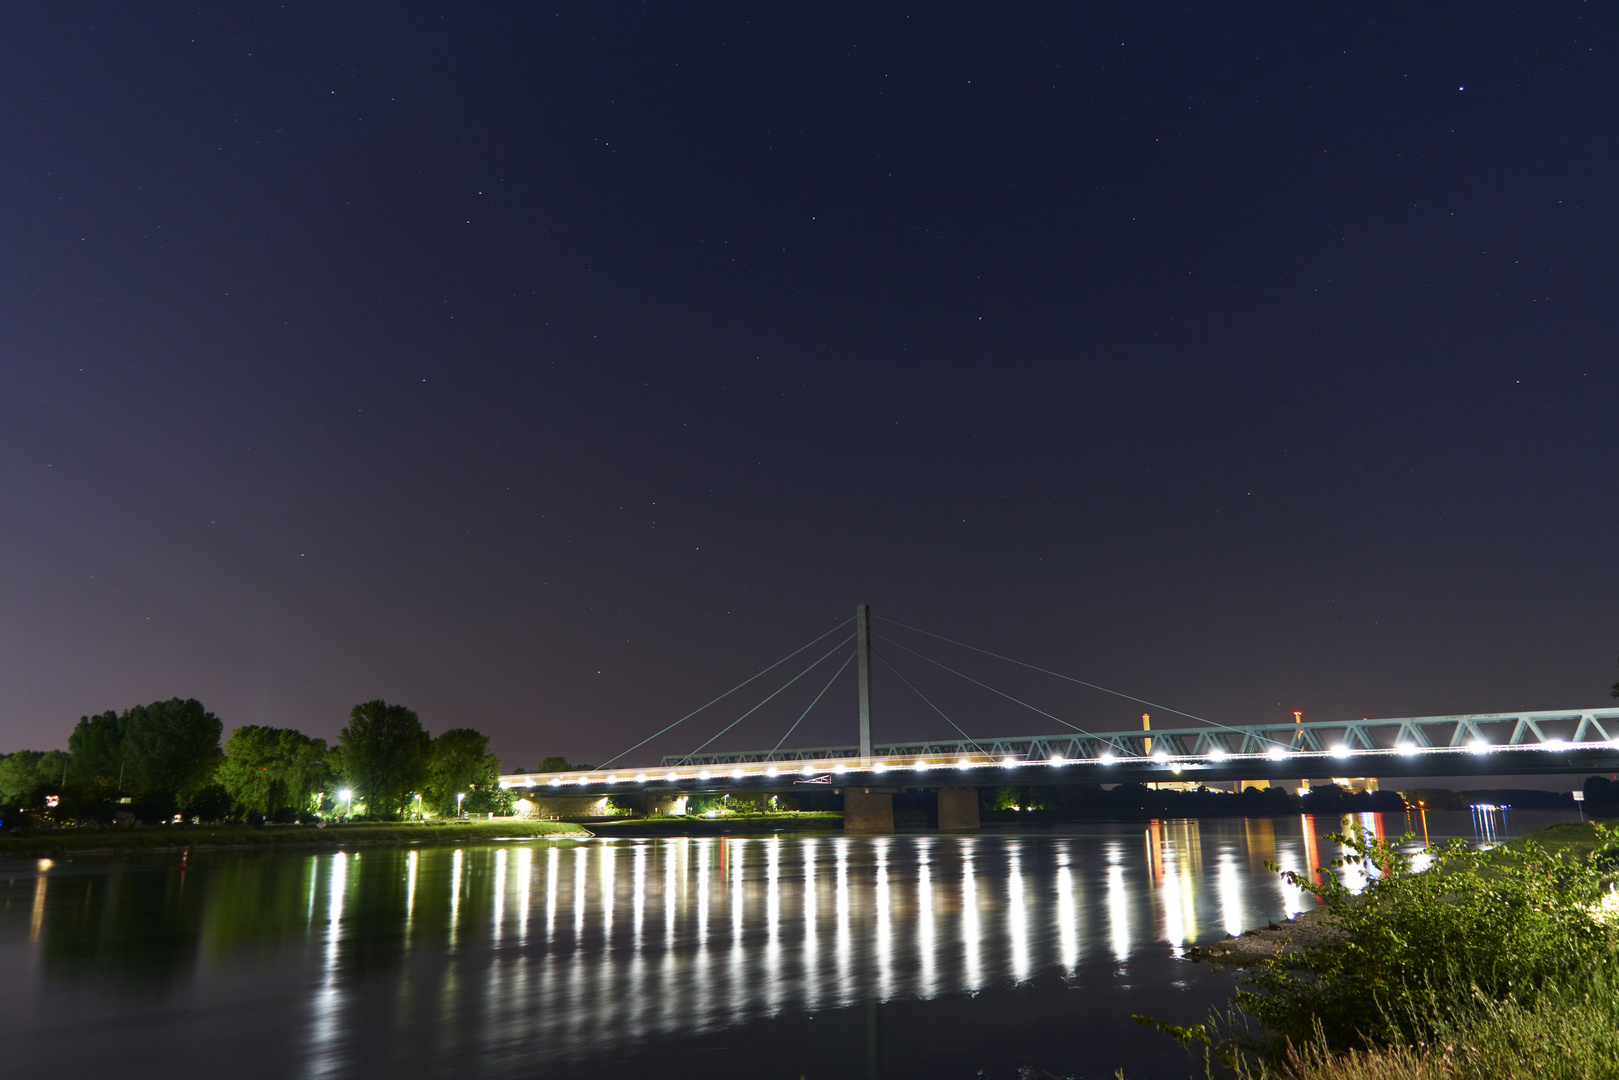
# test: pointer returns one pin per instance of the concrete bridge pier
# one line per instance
(958, 809)
(868, 810)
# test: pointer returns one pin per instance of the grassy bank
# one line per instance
(730, 825)
(204, 837)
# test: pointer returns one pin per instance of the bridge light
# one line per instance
(963, 763)
(1008, 761)
(1107, 758)
(671, 777)
(555, 782)
(1217, 754)
(1479, 746)
(1276, 753)
(736, 774)
(1160, 756)
(1554, 744)
(1405, 748)
(1340, 750)
(1056, 759)
(920, 764)
(640, 778)
(806, 771)
(1175, 768)
(841, 767)
(879, 767)
(772, 771)
(703, 775)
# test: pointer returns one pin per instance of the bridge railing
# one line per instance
(1338, 743)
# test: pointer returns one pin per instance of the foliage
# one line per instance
(161, 754)
(27, 775)
(1492, 925)
(462, 764)
(1569, 1033)
(96, 747)
(558, 764)
(268, 769)
(385, 756)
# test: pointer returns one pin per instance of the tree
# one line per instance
(27, 775)
(160, 754)
(462, 764)
(558, 764)
(385, 755)
(96, 747)
(267, 769)
(171, 749)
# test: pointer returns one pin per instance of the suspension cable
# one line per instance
(988, 687)
(1069, 678)
(847, 661)
(929, 700)
(727, 694)
(762, 704)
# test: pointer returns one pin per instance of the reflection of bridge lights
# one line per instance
(1276, 753)
(1107, 758)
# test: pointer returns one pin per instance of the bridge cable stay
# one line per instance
(727, 693)
(767, 700)
(929, 700)
(846, 662)
(988, 687)
(1069, 678)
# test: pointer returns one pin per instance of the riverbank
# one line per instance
(225, 837)
(1465, 991)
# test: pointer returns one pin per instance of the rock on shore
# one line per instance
(1291, 935)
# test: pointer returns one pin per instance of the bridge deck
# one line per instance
(1549, 741)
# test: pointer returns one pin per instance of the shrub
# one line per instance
(1472, 927)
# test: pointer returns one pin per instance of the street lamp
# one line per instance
(418, 805)
(347, 795)
(459, 795)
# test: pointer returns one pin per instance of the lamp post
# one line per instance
(347, 795)
(418, 806)
(459, 795)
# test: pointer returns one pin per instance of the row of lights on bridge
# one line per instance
(1275, 753)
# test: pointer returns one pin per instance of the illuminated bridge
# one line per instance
(867, 774)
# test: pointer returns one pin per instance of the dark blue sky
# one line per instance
(550, 369)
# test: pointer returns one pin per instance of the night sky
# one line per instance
(552, 368)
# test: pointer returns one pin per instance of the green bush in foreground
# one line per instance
(1566, 1035)
(1475, 938)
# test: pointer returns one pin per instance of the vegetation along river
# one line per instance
(1006, 954)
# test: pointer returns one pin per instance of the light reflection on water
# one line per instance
(555, 954)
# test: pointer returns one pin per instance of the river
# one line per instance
(1004, 954)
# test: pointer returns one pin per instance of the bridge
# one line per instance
(868, 774)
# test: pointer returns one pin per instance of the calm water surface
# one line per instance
(1003, 954)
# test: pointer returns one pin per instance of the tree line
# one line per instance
(166, 758)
